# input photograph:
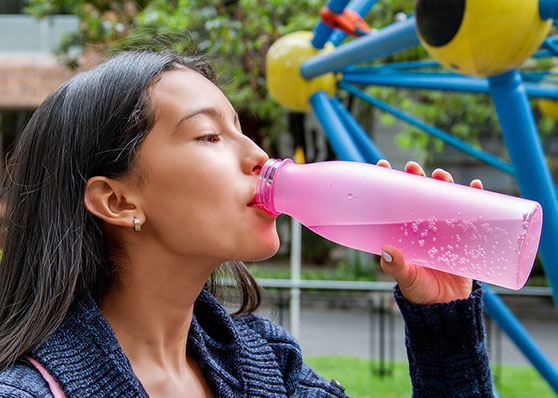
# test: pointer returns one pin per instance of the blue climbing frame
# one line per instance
(509, 91)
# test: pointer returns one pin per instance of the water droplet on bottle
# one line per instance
(349, 196)
(421, 243)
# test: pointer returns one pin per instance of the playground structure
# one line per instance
(482, 43)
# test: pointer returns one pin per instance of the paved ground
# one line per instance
(338, 328)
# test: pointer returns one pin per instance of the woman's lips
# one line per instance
(261, 207)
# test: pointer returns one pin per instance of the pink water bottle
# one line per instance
(453, 228)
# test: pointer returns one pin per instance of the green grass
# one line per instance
(356, 375)
(339, 273)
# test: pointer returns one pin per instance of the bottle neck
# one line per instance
(265, 188)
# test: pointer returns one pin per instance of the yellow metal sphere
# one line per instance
(282, 70)
(480, 37)
(548, 107)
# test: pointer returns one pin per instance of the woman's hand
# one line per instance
(421, 285)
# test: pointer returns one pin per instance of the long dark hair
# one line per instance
(55, 250)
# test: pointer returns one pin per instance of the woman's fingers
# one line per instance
(384, 163)
(441, 174)
(414, 168)
(477, 184)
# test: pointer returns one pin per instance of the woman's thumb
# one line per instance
(393, 263)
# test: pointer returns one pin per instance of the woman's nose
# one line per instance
(254, 158)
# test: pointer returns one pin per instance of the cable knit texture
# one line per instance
(250, 356)
(450, 361)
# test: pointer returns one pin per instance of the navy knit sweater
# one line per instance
(252, 357)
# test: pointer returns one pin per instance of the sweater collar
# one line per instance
(84, 356)
(236, 360)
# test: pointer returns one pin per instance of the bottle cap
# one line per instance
(265, 187)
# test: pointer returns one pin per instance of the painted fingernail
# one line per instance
(387, 257)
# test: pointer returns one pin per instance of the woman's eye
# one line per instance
(210, 138)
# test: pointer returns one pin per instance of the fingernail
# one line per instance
(387, 257)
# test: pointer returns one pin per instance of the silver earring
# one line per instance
(137, 225)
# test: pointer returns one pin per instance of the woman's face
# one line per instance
(198, 175)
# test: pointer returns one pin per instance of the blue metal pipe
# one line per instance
(548, 9)
(392, 66)
(322, 31)
(361, 7)
(447, 82)
(395, 37)
(534, 90)
(538, 76)
(551, 47)
(526, 153)
(339, 138)
(321, 35)
(541, 54)
(444, 82)
(367, 147)
(498, 311)
(440, 134)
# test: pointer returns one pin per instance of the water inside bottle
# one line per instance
(494, 251)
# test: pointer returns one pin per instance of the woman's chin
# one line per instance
(264, 252)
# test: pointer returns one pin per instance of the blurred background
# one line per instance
(353, 334)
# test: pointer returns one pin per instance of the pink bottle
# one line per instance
(453, 228)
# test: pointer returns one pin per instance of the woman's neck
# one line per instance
(150, 309)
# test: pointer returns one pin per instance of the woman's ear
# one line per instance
(110, 200)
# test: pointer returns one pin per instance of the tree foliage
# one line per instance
(235, 34)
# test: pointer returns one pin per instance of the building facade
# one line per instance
(28, 69)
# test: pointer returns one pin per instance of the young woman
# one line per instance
(131, 186)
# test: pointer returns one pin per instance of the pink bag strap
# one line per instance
(54, 387)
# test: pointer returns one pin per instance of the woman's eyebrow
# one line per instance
(209, 111)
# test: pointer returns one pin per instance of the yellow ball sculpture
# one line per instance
(480, 37)
(548, 108)
(282, 70)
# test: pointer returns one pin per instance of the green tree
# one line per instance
(236, 34)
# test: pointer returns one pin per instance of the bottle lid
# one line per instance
(265, 187)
